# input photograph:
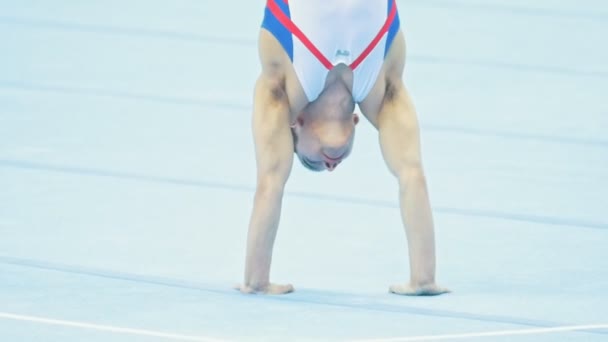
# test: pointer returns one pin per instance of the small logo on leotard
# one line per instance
(343, 53)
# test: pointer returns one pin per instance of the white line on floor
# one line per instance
(107, 328)
(488, 333)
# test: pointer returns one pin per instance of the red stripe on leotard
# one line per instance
(372, 45)
(286, 21)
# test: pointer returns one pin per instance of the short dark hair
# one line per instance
(302, 159)
(295, 139)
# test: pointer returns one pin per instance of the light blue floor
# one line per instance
(127, 173)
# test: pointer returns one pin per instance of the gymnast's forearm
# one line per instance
(263, 228)
(418, 221)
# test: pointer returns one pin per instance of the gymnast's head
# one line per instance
(323, 133)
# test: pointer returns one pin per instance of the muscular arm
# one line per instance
(400, 144)
(274, 158)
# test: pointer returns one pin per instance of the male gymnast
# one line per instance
(319, 59)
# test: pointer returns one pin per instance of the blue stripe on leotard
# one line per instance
(392, 31)
(272, 24)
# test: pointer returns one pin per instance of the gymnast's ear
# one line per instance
(355, 118)
(299, 122)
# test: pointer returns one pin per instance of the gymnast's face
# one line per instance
(323, 144)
